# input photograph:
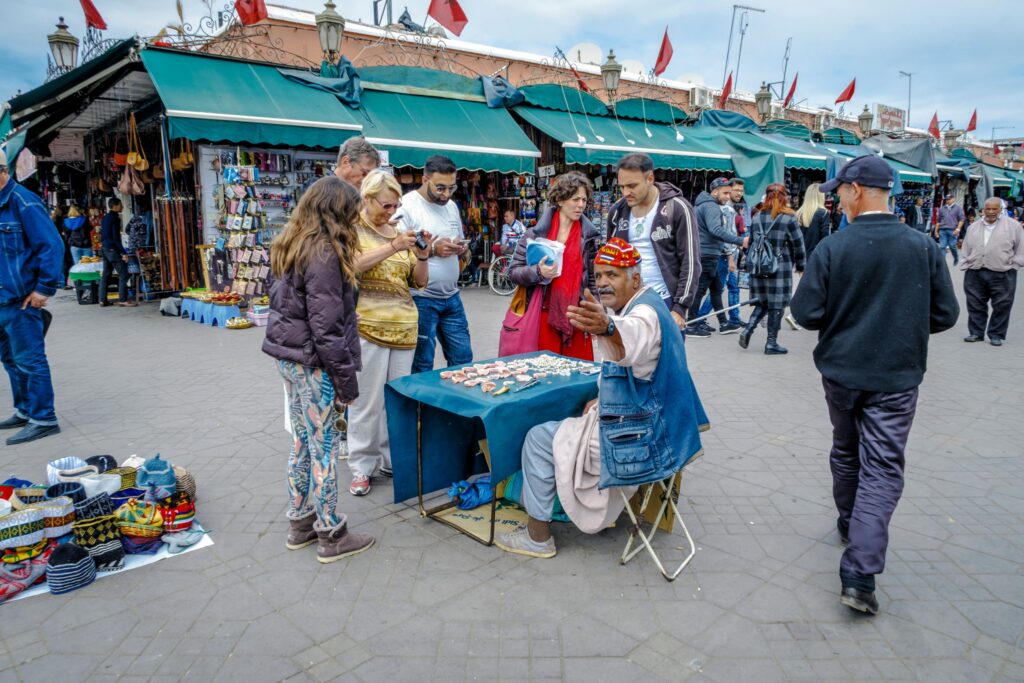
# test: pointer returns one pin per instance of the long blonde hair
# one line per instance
(325, 217)
(814, 199)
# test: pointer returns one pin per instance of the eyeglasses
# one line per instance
(443, 188)
(388, 206)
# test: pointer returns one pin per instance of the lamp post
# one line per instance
(63, 51)
(611, 72)
(865, 120)
(909, 75)
(330, 26)
(763, 101)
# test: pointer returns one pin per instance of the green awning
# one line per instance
(791, 129)
(476, 137)
(839, 136)
(226, 100)
(561, 98)
(603, 140)
(908, 173)
(5, 122)
(654, 111)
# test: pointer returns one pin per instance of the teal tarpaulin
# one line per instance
(725, 120)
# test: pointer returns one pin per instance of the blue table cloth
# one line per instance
(454, 418)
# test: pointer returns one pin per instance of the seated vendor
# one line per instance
(644, 424)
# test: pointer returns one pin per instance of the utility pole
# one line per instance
(378, 16)
(732, 26)
(910, 79)
(785, 67)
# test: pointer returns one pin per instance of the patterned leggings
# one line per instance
(312, 477)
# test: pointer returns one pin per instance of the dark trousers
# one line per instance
(869, 434)
(113, 261)
(708, 282)
(982, 287)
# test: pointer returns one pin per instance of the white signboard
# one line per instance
(889, 119)
(546, 171)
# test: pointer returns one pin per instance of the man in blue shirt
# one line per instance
(31, 256)
(114, 256)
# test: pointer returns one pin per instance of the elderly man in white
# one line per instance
(993, 250)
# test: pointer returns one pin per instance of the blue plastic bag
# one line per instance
(472, 494)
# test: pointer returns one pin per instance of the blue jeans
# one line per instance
(24, 358)
(730, 282)
(443, 319)
(78, 252)
(948, 239)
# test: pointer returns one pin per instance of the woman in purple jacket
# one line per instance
(313, 335)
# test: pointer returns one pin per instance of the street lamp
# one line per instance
(865, 120)
(909, 75)
(330, 26)
(64, 48)
(763, 100)
(611, 72)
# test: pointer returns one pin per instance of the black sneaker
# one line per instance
(13, 422)
(862, 601)
(697, 331)
(730, 328)
(972, 338)
(995, 341)
(33, 432)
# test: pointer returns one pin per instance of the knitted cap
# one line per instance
(58, 515)
(69, 489)
(96, 506)
(14, 578)
(22, 527)
(178, 512)
(55, 466)
(102, 462)
(181, 540)
(70, 567)
(140, 518)
(124, 495)
(27, 496)
(619, 253)
(24, 552)
(185, 481)
(101, 483)
(102, 539)
(157, 472)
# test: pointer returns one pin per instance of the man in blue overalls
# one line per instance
(623, 439)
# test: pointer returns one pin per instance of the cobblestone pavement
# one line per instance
(758, 602)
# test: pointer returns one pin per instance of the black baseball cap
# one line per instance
(719, 182)
(869, 171)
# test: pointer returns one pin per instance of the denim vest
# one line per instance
(649, 428)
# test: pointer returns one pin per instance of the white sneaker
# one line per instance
(519, 542)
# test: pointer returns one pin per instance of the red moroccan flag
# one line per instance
(579, 79)
(847, 94)
(933, 127)
(792, 91)
(449, 14)
(250, 11)
(973, 125)
(92, 16)
(726, 91)
(664, 55)
(996, 150)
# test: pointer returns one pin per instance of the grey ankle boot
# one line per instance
(300, 531)
(338, 542)
(772, 348)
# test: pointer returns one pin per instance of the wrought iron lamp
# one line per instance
(63, 51)
(330, 26)
(763, 101)
(611, 72)
(865, 120)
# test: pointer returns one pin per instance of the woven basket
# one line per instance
(127, 476)
(185, 481)
(58, 516)
(22, 527)
(140, 519)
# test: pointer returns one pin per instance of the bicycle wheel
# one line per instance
(497, 276)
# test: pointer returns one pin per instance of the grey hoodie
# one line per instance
(711, 226)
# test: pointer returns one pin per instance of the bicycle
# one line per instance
(498, 275)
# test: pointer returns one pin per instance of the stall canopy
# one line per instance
(226, 100)
(414, 113)
(790, 129)
(562, 98)
(725, 120)
(839, 136)
(604, 140)
(654, 111)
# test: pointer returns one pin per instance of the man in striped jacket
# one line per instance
(656, 219)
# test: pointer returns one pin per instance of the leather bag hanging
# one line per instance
(136, 155)
(131, 183)
(120, 158)
(520, 330)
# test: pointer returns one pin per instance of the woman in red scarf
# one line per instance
(563, 221)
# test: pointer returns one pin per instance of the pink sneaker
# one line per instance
(360, 486)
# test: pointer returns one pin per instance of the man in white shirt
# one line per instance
(442, 316)
(511, 232)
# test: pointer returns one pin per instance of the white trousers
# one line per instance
(368, 446)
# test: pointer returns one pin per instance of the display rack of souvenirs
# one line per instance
(87, 516)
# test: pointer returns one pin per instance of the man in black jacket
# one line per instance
(656, 219)
(874, 292)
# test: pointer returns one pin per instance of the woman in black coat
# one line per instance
(813, 218)
(778, 224)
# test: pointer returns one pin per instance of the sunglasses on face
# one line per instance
(388, 206)
(443, 188)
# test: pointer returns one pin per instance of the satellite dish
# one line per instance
(633, 66)
(691, 78)
(585, 53)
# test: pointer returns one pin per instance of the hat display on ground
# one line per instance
(182, 540)
(21, 527)
(127, 475)
(124, 495)
(76, 473)
(28, 495)
(158, 474)
(99, 505)
(14, 578)
(101, 537)
(140, 518)
(101, 483)
(70, 567)
(178, 511)
(5, 507)
(185, 481)
(101, 462)
(56, 466)
(24, 552)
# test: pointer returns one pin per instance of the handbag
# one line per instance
(762, 261)
(136, 155)
(520, 330)
(131, 182)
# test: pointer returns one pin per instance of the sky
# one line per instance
(960, 61)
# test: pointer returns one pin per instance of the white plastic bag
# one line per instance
(539, 248)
